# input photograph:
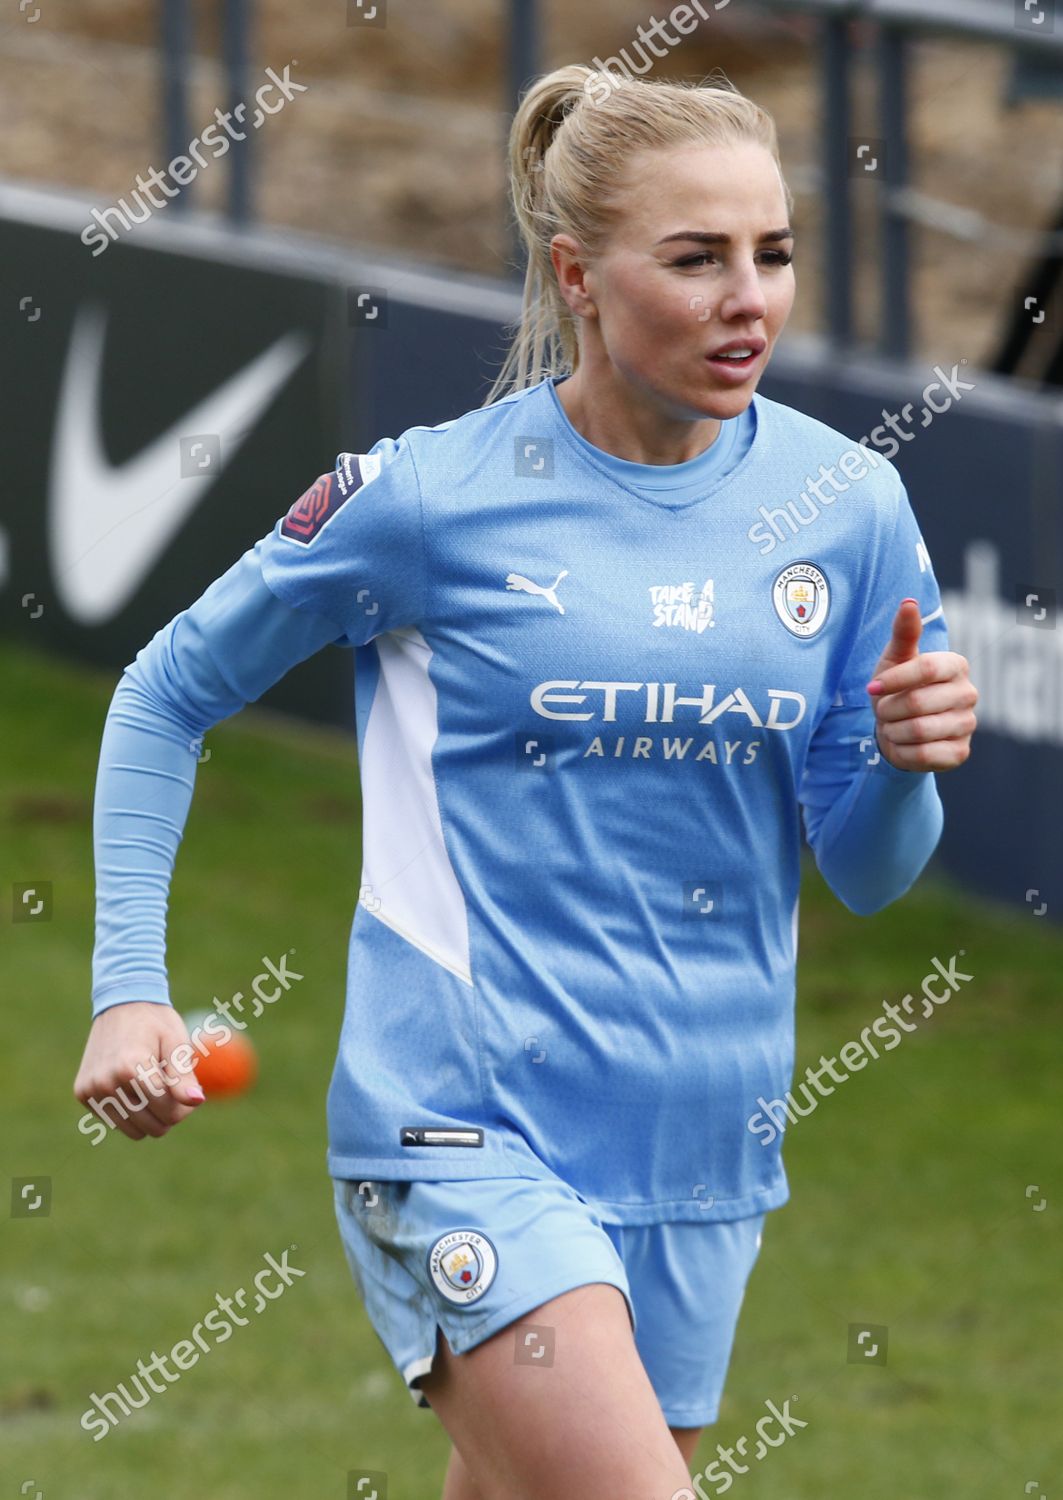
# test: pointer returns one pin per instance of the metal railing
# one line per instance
(176, 51)
(175, 36)
(1033, 27)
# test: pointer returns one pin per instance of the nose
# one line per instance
(744, 297)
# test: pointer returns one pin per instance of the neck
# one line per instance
(635, 431)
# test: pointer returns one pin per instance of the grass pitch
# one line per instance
(926, 1191)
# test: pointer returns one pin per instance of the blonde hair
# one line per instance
(567, 155)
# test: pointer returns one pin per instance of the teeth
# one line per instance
(736, 354)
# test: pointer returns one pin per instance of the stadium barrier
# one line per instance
(171, 397)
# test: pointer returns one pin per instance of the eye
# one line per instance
(768, 257)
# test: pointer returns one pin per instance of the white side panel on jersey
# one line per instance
(793, 927)
(407, 878)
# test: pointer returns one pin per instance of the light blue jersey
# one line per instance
(592, 703)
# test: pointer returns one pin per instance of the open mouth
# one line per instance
(739, 360)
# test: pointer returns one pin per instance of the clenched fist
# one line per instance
(132, 1047)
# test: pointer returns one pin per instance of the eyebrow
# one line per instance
(705, 237)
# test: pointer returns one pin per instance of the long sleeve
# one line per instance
(871, 827)
(165, 700)
(330, 572)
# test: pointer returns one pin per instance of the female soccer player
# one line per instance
(610, 647)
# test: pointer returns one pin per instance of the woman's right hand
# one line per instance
(131, 1047)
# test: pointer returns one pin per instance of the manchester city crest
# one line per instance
(801, 597)
(462, 1265)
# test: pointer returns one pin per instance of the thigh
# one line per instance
(505, 1305)
(469, 1256)
(585, 1420)
(459, 1484)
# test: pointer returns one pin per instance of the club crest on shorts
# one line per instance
(462, 1265)
(801, 596)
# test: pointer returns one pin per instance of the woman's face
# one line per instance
(699, 260)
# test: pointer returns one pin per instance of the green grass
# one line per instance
(909, 1184)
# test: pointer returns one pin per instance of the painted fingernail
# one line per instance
(875, 687)
(195, 1092)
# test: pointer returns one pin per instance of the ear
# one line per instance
(571, 270)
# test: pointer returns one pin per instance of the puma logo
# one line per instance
(525, 585)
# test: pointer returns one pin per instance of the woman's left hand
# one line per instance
(924, 705)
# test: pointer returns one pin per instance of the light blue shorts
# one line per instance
(472, 1256)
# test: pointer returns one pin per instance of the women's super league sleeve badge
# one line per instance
(462, 1265)
(314, 509)
(801, 596)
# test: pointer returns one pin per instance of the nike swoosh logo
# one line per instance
(108, 525)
